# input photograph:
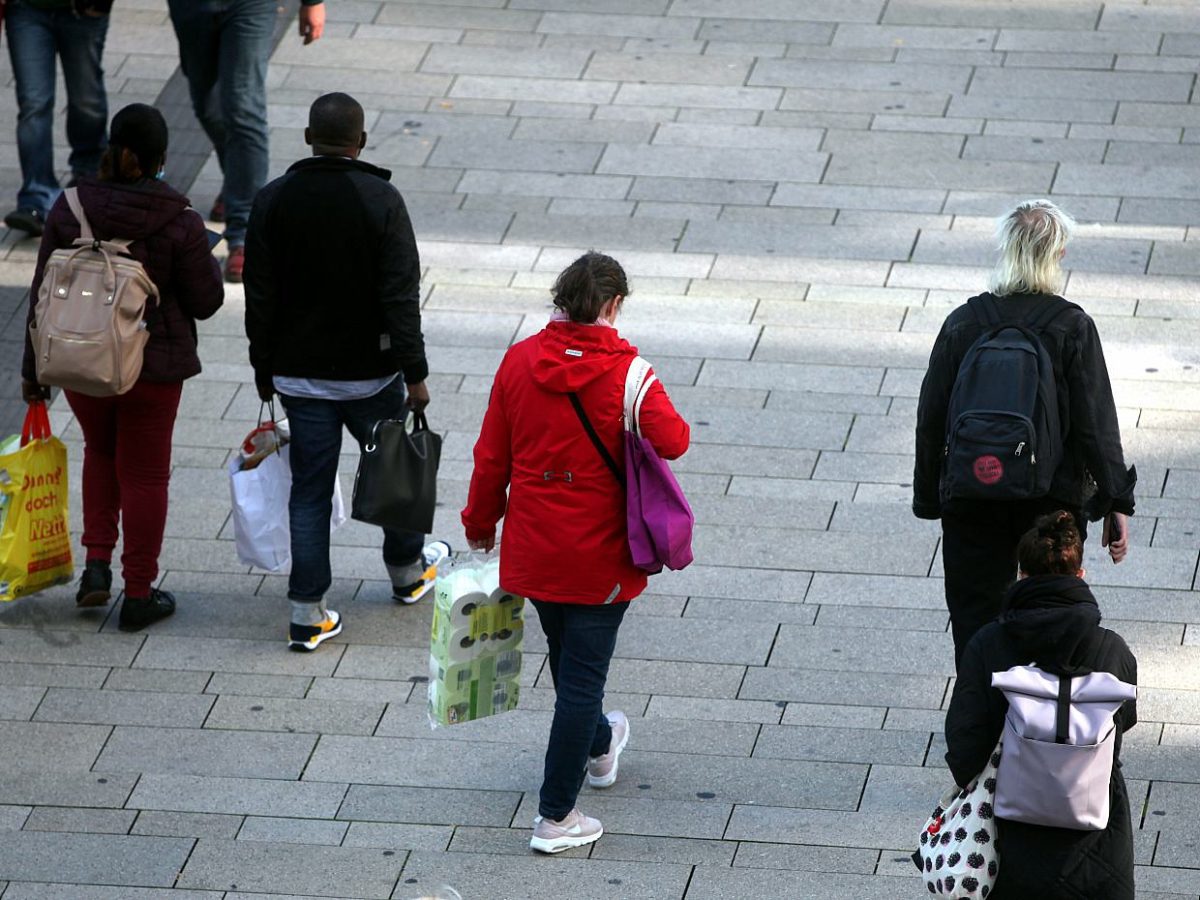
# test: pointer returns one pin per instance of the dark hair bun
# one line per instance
(1054, 546)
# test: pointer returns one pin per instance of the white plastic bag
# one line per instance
(260, 511)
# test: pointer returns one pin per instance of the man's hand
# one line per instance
(486, 545)
(418, 396)
(265, 385)
(312, 22)
(32, 392)
(1116, 535)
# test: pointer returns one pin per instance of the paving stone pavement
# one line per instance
(800, 190)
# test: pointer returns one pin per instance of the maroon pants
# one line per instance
(126, 470)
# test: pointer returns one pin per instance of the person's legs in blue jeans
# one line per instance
(316, 427)
(197, 26)
(581, 641)
(400, 548)
(246, 35)
(80, 47)
(31, 49)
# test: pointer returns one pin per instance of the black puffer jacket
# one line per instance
(169, 240)
(1091, 436)
(333, 278)
(1053, 621)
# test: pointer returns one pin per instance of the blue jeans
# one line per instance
(316, 443)
(581, 639)
(35, 38)
(224, 46)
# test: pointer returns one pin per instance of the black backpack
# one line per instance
(1003, 435)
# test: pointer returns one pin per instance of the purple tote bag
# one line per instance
(659, 517)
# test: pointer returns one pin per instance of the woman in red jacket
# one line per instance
(127, 439)
(566, 547)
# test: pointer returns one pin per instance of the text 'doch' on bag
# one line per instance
(396, 484)
(35, 544)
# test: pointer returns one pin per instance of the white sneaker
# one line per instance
(602, 770)
(572, 830)
(411, 583)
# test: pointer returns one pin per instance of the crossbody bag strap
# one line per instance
(595, 438)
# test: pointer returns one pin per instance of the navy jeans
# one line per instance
(581, 640)
(35, 38)
(224, 46)
(316, 443)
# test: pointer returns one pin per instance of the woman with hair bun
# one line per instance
(566, 546)
(1050, 618)
(127, 438)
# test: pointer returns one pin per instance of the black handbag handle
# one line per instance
(596, 442)
(420, 423)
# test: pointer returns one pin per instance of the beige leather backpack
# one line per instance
(89, 330)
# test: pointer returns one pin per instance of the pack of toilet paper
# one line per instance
(475, 643)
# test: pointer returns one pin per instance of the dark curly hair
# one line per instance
(1053, 546)
(587, 284)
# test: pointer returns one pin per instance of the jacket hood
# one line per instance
(334, 163)
(571, 356)
(132, 211)
(1054, 619)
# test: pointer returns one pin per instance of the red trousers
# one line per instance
(126, 471)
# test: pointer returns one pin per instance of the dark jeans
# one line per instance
(979, 557)
(224, 46)
(35, 38)
(316, 443)
(581, 639)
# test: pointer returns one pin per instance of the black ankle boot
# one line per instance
(95, 584)
(138, 612)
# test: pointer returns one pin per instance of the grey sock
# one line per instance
(308, 612)
(403, 576)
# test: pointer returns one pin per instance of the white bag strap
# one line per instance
(637, 380)
(86, 236)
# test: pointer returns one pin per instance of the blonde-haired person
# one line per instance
(1090, 478)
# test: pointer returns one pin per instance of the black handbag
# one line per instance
(396, 484)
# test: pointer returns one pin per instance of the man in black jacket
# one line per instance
(334, 320)
(979, 537)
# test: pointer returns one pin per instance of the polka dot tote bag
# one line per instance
(958, 854)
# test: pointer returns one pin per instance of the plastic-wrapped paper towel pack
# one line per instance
(475, 644)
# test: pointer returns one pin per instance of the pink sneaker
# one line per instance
(602, 770)
(572, 830)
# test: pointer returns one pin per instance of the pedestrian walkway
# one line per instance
(800, 190)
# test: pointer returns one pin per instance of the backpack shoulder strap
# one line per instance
(86, 234)
(1062, 715)
(595, 439)
(984, 308)
(76, 207)
(1047, 312)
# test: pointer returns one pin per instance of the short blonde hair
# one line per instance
(1031, 240)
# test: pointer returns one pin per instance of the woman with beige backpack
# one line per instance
(129, 219)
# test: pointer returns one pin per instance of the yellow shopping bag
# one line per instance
(35, 546)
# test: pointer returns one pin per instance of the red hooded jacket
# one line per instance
(565, 537)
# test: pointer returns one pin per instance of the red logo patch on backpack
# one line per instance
(988, 469)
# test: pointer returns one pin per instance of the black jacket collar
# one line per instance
(334, 163)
